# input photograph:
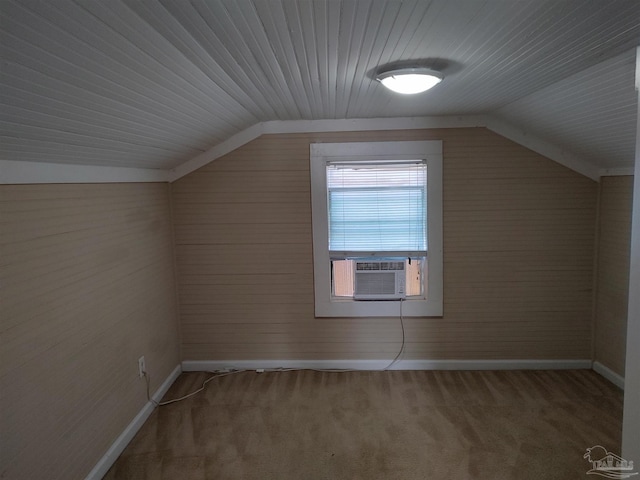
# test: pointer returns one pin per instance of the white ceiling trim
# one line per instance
(14, 173)
(368, 124)
(616, 172)
(517, 135)
(544, 148)
(230, 144)
(308, 126)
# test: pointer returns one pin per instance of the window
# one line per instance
(375, 209)
(377, 201)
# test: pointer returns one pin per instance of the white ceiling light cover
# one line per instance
(410, 80)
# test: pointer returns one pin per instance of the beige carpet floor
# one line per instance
(405, 425)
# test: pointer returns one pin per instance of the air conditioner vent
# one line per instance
(379, 280)
(379, 266)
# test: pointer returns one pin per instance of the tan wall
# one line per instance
(614, 237)
(87, 287)
(518, 257)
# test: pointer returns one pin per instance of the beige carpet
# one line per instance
(432, 425)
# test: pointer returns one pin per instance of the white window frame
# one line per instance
(325, 304)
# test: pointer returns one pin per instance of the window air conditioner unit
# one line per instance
(379, 280)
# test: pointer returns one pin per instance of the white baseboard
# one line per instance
(216, 365)
(609, 374)
(118, 446)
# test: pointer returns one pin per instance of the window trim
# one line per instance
(325, 304)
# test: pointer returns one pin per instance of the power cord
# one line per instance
(204, 384)
(403, 341)
(261, 370)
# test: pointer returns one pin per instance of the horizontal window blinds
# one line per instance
(377, 207)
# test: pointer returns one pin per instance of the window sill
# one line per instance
(378, 308)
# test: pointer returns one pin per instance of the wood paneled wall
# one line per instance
(519, 234)
(612, 295)
(87, 278)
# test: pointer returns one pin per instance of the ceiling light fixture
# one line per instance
(410, 80)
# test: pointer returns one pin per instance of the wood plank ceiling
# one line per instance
(153, 83)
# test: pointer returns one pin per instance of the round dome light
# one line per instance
(410, 80)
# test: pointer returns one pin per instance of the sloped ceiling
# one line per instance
(154, 83)
(592, 111)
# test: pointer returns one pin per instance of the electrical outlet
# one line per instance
(142, 369)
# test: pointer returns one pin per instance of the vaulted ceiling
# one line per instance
(154, 83)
